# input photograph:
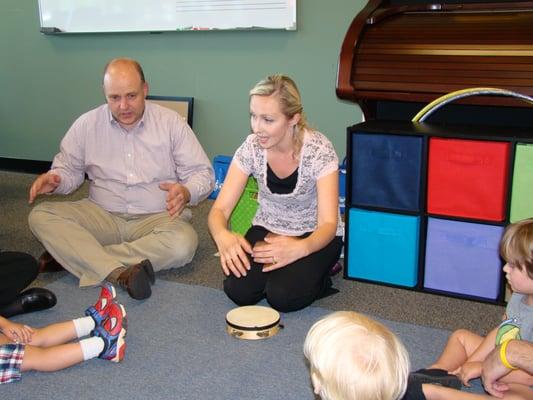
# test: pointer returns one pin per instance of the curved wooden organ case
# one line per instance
(419, 52)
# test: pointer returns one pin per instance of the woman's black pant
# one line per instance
(17, 271)
(289, 288)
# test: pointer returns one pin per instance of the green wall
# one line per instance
(48, 80)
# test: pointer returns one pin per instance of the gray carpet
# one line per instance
(177, 348)
(390, 303)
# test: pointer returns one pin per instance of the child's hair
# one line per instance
(354, 357)
(516, 246)
(289, 99)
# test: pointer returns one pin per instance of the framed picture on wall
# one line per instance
(182, 105)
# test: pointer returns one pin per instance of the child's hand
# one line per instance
(468, 371)
(18, 333)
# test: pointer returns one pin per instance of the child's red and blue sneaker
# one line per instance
(113, 332)
(99, 311)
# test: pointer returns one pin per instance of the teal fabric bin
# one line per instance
(383, 247)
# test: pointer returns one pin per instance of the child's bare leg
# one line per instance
(436, 392)
(54, 334)
(62, 356)
(461, 344)
(51, 358)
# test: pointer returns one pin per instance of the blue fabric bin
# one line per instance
(463, 258)
(383, 247)
(386, 171)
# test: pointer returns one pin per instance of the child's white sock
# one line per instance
(83, 326)
(91, 347)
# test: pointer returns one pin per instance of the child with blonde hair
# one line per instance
(354, 357)
(23, 348)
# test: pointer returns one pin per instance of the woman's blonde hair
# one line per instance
(355, 357)
(516, 246)
(289, 99)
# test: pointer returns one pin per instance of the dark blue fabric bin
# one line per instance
(386, 171)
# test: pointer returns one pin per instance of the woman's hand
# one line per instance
(18, 333)
(468, 371)
(232, 249)
(278, 251)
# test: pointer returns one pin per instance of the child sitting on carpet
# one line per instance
(465, 351)
(353, 357)
(23, 348)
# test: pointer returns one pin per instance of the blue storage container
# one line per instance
(386, 171)
(221, 166)
(383, 247)
(463, 258)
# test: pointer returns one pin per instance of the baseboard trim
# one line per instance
(27, 166)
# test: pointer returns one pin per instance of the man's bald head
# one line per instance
(125, 90)
(122, 63)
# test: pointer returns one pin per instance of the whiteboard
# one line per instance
(83, 16)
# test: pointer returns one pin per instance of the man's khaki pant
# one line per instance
(90, 242)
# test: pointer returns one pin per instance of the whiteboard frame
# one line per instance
(99, 16)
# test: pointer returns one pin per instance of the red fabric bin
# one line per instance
(468, 178)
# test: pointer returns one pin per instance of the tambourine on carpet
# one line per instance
(178, 348)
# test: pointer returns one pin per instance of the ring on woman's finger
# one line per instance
(274, 261)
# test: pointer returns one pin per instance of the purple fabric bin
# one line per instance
(463, 258)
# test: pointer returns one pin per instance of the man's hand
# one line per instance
(492, 371)
(45, 183)
(177, 197)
